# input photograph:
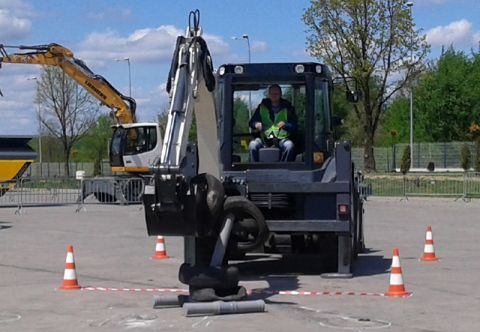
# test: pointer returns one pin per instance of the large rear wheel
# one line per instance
(249, 229)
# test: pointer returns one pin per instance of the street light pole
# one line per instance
(410, 5)
(129, 75)
(245, 37)
(34, 78)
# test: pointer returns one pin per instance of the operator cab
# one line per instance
(307, 86)
(133, 146)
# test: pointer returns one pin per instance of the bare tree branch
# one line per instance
(66, 110)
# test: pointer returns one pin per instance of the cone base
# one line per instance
(73, 287)
(160, 257)
(428, 259)
(398, 294)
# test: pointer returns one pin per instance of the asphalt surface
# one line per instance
(112, 250)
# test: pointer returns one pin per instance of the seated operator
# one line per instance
(276, 118)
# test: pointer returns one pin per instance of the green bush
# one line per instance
(466, 156)
(405, 165)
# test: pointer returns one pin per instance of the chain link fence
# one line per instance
(57, 169)
(444, 156)
(46, 184)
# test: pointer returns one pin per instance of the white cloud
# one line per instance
(14, 19)
(459, 33)
(143, 46)
(151, 46)
(259, 46)
(430, 2)
(17, 107)
(111, 14)
(17, 7)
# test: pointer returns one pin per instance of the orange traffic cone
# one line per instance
(70, 277)
(397, 288)
(429, 251)
(160, 250)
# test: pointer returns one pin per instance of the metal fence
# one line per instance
(388, 159)
(466, 185)
(28, 192)
(57, 169)
(444, 156)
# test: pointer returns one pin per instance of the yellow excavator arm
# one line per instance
(97, 85)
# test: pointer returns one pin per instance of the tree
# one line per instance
(66, 110)
(466, 157)
(371, 41)
(406, 161)
(241, 116)
(447, 98)
(95, 142)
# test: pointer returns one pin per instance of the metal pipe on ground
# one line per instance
(221, 308)
(170, 301)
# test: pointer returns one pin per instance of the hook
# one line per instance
(194, 17)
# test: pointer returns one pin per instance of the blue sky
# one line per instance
(99, 31)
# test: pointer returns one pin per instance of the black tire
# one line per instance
(328, 249)
(209, 277)
(104, 197)
(245, 212)
(355, 248)
(361, 238)
(3, 191)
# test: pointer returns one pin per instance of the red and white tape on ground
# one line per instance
(155, 290)
(255, 291)
(314, 293)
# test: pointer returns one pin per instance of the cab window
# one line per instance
(140, 139)
(246, 99)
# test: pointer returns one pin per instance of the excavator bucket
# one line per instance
(15, 157)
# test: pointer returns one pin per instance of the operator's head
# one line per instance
(275, 93)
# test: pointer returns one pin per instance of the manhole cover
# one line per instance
(7, 317)
(352, 323)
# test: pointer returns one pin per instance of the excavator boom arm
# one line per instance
(97, 85)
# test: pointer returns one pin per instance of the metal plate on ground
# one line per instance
(8, 317)
(127, 321)
(352, 323)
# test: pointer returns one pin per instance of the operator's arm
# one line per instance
(292, 124)
(255, 118)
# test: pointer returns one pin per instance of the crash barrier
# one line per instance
(27, 192)
(110, 190)
(40, 192)
(458, 185)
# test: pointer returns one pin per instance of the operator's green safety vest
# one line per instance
(271, 129)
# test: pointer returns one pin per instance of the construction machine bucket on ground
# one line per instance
(15, 157)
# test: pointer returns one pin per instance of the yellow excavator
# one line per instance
(134, 145)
